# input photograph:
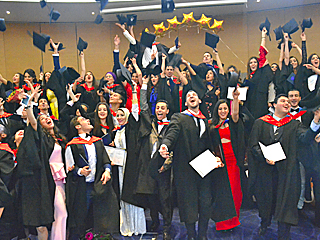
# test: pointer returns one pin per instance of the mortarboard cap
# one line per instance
(103, 3)
(122, 18)
(267, 25)
(153, 69)
(306, 23)
(167, 6)
(43, 3)
(40, 40)
(130, 54)
(54, 15)
(2, 25)
(212, 40)
(81, 45)
(125, 73)
(175, 60)
(176, 42)
(69, 74)
(60, 47)
(147, 39)
(278, 32)
(233, 78)
(131, 19)
(311, 101)
(289, 45)
(98, 19)
(291, 27)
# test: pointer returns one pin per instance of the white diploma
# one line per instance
(117, 155)
(242, 91)
(273, 152)
(204, 163)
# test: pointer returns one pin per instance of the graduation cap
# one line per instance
(131, 19)
(103, 3)
(60, 47)
(311, 101)
(306, 23)
(153, 69)
(175, 60)
(122, 18)
(43, 3)
(147, 39)
(289, 45)
(2, 25)
(40, 40)
(176, 42)
(267, 25)
(278, 32)
(81, 45)
(98, 19)
(167, 6)
(54, 15)
(233, 78)
(130, 54)
(291, 27)
(212, 40)
(69, 74)
(125, 73)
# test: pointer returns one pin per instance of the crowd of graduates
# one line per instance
(77, 153)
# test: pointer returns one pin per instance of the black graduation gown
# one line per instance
(176, 98)
(301, 81)
(105, 204)
(284, 85)
(88, 97)
(37, 187)
(257, 97)
(288, 181)
(181, 138)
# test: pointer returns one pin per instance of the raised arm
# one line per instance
(3, 80)
(188, 65)
(182, 78)
(221, 70)
(286, 49)
(82, 65)
(143, 94)
(304, 48)
(163, 65)
(263, 37)
(235, 106)
(30, 116)
(281, 55)
(294, 45)
(116, 61)
(130, 38)
(138, 71)
(55, 55)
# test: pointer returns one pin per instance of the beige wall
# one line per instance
(241, 37)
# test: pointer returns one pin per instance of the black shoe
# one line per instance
(262, 231)
(302, 214)
(166, 235)
(154, 226)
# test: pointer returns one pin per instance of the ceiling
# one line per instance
(83, 11)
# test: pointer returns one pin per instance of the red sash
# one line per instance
(86, 87)
(104, 126)
(5, 115)
(5, 147)
(112, 86)
(113, 112)
(79, 140)
(199, 115)
(269, 119)
(163, 123)
(298, 114)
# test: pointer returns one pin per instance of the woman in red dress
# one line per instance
(228, 135)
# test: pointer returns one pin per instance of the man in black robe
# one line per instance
(88, 183)
(188, 136)
(277, 184)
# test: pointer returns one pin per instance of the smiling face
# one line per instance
(84, 125)
(102, 111)
(282, 106)
(161, 111)
(223, 111)
(294, 98)
(43, 104)
(115, 98)
(121, 117)
(27, 77)
(274, 67)
(253, 64)
(88, 78)
(192, 101)
(315, 60)
(169, 71)
(47, 76)
(210, 76)
(46, 122)
(293, 62)
(109, 78)
(135, 77)
(154, 79)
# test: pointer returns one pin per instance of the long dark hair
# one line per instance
(150, 86)
(95, 85)
(56, 131)
(248, 66)
(97, 122)
(215, 80)
(32, 74)
(21, 79)
(309, 58)
(215, 115)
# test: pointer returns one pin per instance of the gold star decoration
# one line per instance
(160, 29)
(217, 26)
(204, 21)
(188, 18)
(173, 23)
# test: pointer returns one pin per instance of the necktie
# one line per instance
(199, 128)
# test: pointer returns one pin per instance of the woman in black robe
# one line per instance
(41, 182)
(103, 122)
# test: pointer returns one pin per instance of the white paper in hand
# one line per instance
(273, 152)
(242, 91)
(204, 163)
(117, 155)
